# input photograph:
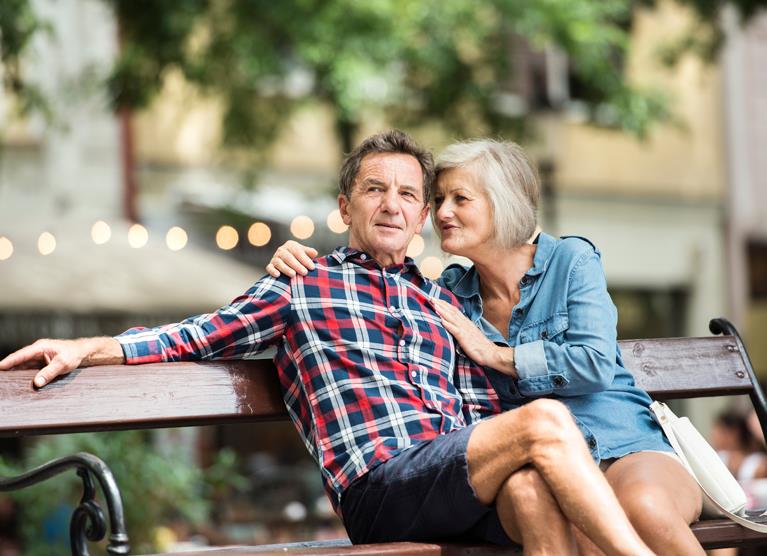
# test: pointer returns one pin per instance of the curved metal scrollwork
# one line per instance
(87, 523)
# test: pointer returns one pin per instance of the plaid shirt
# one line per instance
(365, 365)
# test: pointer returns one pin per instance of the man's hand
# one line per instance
(59, 357)
(291, 258)
(474, 343)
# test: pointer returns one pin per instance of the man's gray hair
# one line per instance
(510, 180)
(395, 142)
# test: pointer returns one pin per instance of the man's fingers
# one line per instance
(272, 271)
(55, 368)
(24, 355)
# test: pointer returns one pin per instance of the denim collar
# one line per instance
(468, 285)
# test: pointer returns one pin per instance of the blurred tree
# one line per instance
(419, 61)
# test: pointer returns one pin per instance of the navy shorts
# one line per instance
(421, 494)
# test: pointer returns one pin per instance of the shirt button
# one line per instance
(363, 256)
(524, 280)
(402, 343)
(518, 312)
(413, 374)
(544, 335)
(592, 442)
(558, 381)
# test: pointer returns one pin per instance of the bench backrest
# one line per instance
(178, 394)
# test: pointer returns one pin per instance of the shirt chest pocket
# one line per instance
(551, 329)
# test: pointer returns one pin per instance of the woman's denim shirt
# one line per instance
(564, 333)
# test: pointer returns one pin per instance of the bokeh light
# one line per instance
(6, 248)
(336, 223)
(431, 267)
(46, 243)
(416, 246)
(138, 236)
(259, 234)
(176, 238)
(227, 238)
(302, 227)
(100, 232)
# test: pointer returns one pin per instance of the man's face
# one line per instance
(386, 208)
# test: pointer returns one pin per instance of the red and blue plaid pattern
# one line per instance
(366, 367)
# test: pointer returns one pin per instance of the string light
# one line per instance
(336, 223)
(416, 246)
(227, 238)
(6, 248)
(137, 236)
(431, 267)
(46, 243)
(302, 227)
(176, 238)
(259, 234)
(100, 232)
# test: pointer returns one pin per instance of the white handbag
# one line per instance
(722, 494)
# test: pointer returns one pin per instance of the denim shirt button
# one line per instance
(524, 281)
(518, 312)
(544, 335)
(558, 381)
(592, 442)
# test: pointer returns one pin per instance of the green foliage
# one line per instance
(18, 25)
(419, 61)
(157, 488)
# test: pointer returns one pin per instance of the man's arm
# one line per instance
(59, 357)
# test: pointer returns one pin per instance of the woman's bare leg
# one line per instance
(660, 498)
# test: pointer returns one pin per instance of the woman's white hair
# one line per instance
(510, 180)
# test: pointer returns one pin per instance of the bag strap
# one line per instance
(665, 417)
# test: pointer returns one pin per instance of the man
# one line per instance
(366, 370)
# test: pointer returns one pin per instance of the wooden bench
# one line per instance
(185, 394)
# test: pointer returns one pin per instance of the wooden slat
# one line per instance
(341, 548)
(721, 533)
(687, 367)
(176, 394)
(129, 397)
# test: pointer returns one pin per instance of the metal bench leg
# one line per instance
(87, 521)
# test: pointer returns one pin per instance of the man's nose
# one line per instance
(390, 201)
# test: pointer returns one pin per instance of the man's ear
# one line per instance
(422, 218)
(343, 208)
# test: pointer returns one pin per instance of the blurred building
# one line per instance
(680, 217)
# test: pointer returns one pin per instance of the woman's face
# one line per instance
(464, 216)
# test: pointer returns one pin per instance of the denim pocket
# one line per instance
(551, 329)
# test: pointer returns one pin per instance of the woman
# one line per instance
(541, 322)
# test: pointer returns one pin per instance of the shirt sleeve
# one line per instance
(245, 327)
(585, 360)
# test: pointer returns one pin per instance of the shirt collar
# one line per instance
(346, 253)
(468, 285)
(546, 246)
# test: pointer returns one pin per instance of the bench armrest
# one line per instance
(88, 518)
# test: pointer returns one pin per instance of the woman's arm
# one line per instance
(585, 361)
(473, 342)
